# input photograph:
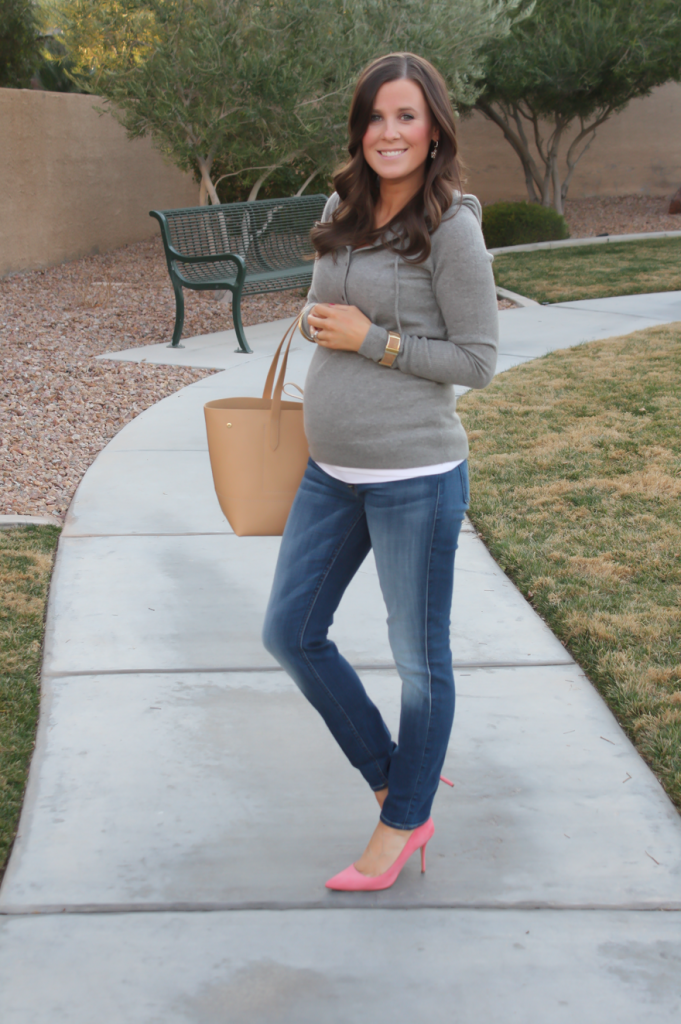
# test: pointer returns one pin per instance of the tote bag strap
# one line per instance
(267, 390)
(275, 408)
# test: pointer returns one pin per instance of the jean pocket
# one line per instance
(465, 483)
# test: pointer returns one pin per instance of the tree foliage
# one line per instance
(55, 71)
(569, 65)
(19, 43)
(234, 87)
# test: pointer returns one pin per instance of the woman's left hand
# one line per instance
(340, 327)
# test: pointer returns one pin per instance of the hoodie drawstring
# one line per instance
(345, 275)
(397, 295)
(396, 273)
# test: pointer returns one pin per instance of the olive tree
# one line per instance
(564, 69)
(243, 87)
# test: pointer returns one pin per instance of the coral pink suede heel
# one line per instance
(352, 880)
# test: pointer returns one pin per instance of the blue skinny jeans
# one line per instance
(413, 527)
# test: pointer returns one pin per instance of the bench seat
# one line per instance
(247, 248)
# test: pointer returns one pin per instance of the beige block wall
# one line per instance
(637, 151)
(71, 183)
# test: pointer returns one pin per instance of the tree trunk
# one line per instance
(253, 194)
(306, 183)
(553, 191)
(207, 186)
(546, 189)
(530, 185)
(520, 146)
(557, 191)
(552, 165)
(573, 157)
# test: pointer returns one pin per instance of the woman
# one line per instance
(402, 307)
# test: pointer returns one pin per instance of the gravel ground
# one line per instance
(60, 407)
(619, 215)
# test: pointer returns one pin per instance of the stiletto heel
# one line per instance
(352, 880)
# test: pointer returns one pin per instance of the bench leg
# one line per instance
(238, 326)
(179, 317)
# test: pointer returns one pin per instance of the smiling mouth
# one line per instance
(390, 154)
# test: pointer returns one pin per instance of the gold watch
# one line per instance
(392, 349)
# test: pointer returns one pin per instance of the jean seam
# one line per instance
(307, 661)
(409, 828)
(430, 673)
(465, 487)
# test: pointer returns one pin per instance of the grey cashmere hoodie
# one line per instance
(367, 416)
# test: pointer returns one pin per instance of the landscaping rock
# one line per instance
(59, 407)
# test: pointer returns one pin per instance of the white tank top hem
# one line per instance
(349, 475)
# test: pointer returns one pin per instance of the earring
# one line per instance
(434, 149)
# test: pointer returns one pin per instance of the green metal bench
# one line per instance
(244, 248)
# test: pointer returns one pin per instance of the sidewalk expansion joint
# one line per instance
(349, 902)
(103, 536)
(631, 316)
(210, 533)
(381, 666)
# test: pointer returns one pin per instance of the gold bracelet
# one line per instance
(392, 349)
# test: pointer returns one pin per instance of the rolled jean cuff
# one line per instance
(376, 773)
(401, 825)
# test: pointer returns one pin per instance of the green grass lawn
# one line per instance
(26, 557)
(576, 490)
(592, 271)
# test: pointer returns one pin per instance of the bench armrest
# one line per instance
(173, 256)
(218, 257)
(213, 257)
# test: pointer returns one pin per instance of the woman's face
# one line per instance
(400, 134)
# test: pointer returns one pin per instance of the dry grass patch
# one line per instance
(26, 557)
(576, 468)
(592, 271)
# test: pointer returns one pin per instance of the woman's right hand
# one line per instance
(338, 327)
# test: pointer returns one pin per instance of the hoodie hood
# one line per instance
(470, 201)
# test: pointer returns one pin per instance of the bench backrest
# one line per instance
(270, 234)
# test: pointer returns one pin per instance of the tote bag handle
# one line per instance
(275, 408)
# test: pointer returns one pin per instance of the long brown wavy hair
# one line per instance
(359, 186)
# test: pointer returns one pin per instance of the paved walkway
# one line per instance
(525, 333)
(185, 805)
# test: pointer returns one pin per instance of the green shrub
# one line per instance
(521, 223)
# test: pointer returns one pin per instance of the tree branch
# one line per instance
(205, 164)
(518, 143)
(572, 161)
(253, 194)
(307, 182)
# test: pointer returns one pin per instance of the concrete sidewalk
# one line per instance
(525, 333)
(185, 805)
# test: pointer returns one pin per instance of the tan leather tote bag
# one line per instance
(258, 453)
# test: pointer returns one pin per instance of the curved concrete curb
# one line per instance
(565, 243)
(7, 522)
(520, 300)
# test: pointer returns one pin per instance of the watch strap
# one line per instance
(392, 349)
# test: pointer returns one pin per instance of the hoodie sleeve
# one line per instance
(312, 299)
(463, 286)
